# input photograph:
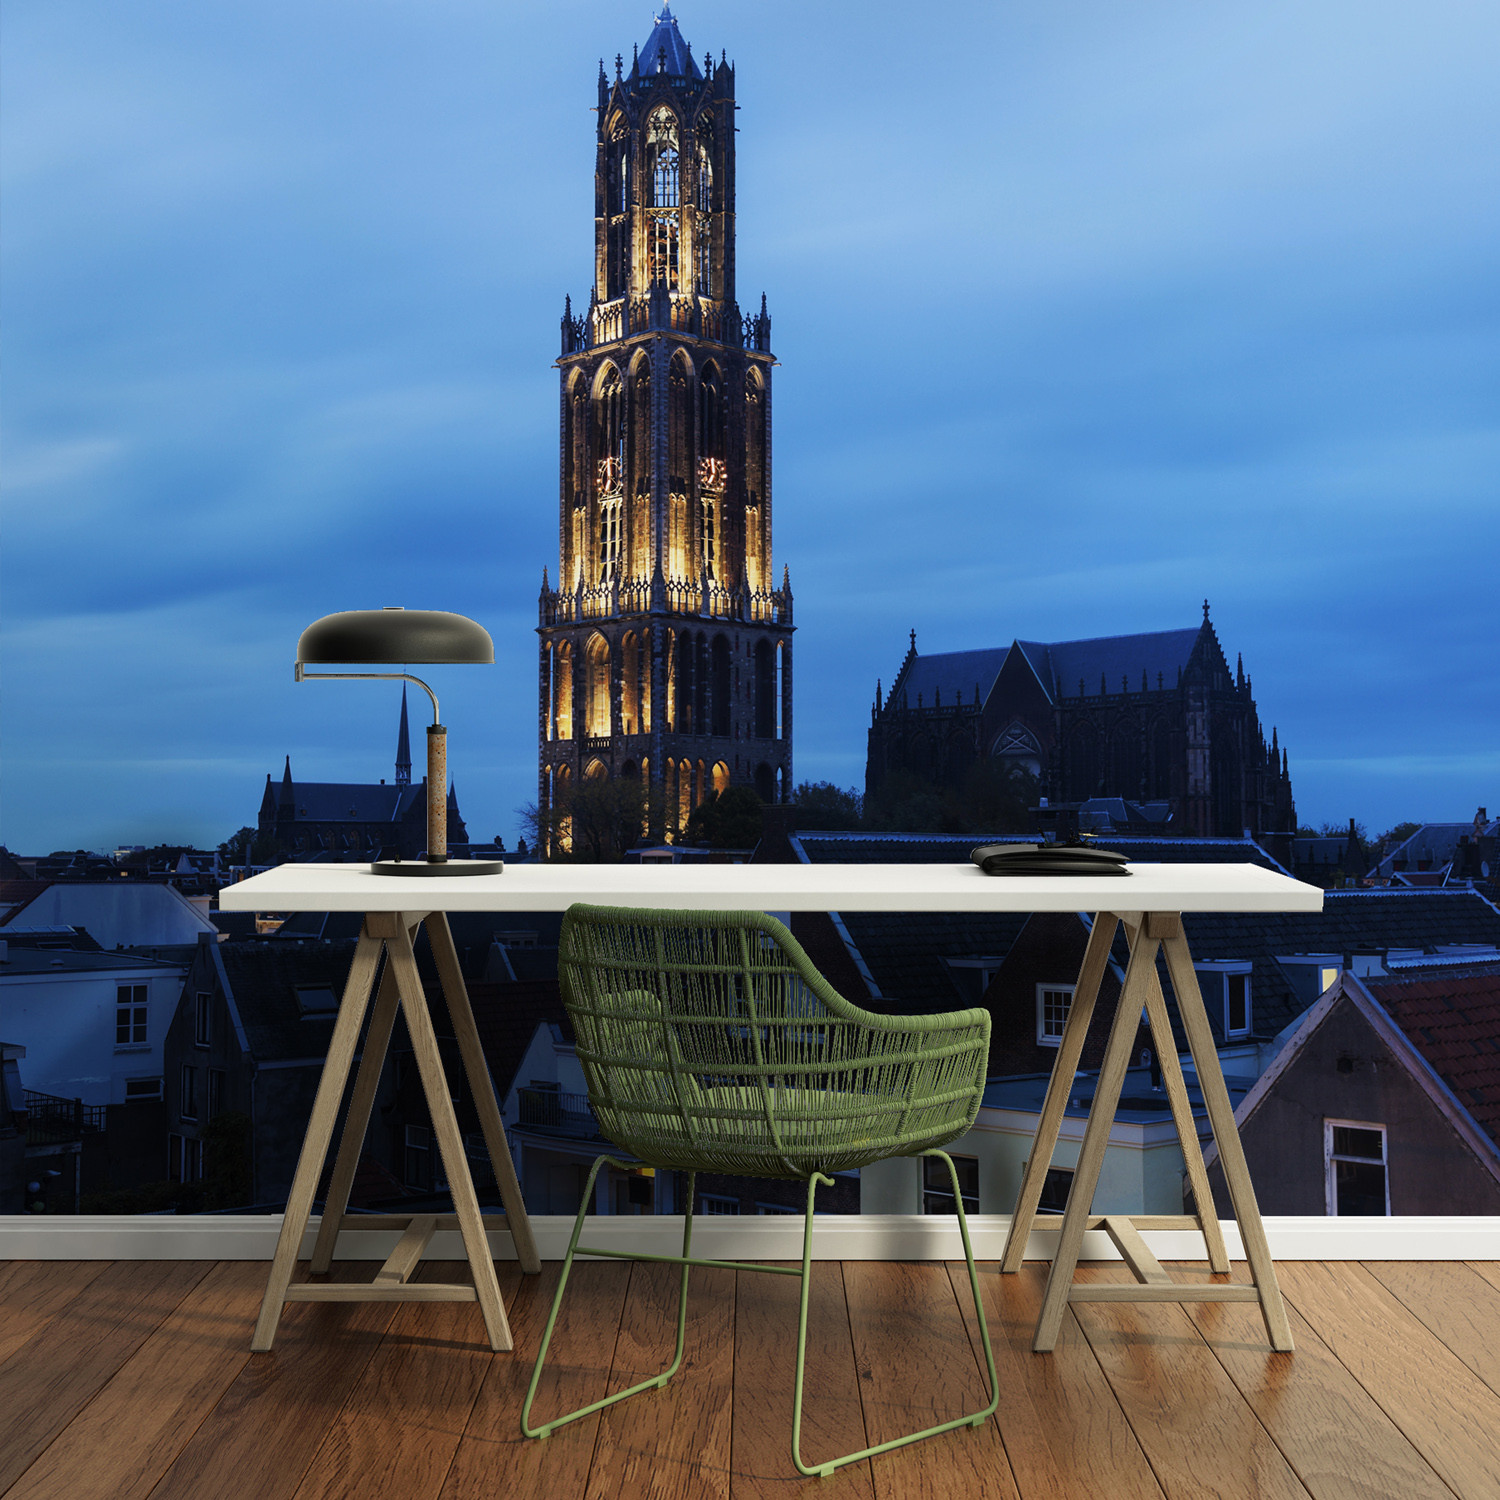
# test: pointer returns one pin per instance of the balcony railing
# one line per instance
(663, 310)
(50, 1118)
(702, 596)
(557, 1113)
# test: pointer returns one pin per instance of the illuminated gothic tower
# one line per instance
(666, 647)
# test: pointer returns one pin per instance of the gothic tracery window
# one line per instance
(663, 188)
(609, 538)
(662, 158)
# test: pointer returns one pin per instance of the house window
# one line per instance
(215, 1091)
(200, 1018)
(417, 1158)
(1055, 1188)
(1226, 993)
(130, 1015)
(316, 1002)
(774, 1208)
(174, 1158)
(189, 1106)
(142, 1088)
(1237, 1004)
(937, 1184)
(1354, 1154)
(192, 1159)
(716, 1203)
(1053, 1001)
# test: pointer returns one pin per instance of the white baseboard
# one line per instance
(778, 1237)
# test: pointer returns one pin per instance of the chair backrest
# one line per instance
(710, 1042)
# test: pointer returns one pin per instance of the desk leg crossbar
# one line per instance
(1142, 991)
(400, 985)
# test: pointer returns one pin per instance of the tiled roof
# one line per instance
(1351, 922)
(351, 802)
(904, 952)
(832, 848)
(1120, 657)
(665, 38)
(951, 673)
(265, 978)
(507, 1016)
(1455, 1024)
(1120, 660)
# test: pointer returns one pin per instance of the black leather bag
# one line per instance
(1048, 859)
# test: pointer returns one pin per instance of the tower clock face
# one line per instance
(609, 475)
(711, 473)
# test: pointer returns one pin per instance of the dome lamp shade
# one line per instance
(367, 637)
(395, 635)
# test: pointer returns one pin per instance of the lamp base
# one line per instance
(443, 867)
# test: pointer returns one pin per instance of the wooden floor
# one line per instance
(129, 1379)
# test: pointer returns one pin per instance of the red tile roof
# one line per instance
(1455, 1024)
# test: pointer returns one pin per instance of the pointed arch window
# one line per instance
(705, 177)
(662, 159)
(609, 432)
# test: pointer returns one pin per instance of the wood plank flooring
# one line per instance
(123, 1381)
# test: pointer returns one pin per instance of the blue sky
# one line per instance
(1085, 312)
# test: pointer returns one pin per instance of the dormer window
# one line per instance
(1227, 995)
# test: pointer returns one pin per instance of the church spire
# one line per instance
(403, 746)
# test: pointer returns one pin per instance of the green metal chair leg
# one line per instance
(973, 1419)
(655, 1381)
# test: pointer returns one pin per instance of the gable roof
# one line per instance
(115, 913)
(352, 802)
(949, 674)
(1349, 990)
(1059, 666)
(1455, 1024)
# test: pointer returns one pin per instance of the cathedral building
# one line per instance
(1155, 718)
(351, 821)
(666, 645)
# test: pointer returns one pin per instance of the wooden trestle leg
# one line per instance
(401, 987)
(319, 1133)
(1054, 1106)
(1142, 991)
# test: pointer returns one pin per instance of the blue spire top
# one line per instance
(665, 51)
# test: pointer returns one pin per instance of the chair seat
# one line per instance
(815, 1130)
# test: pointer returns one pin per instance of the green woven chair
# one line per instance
(710, 1043)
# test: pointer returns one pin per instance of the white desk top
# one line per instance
(700, 887)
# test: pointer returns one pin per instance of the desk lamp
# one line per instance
(394, 634)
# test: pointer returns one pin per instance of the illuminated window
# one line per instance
(705, 176)
(710, 510)
(663, 249)
(1053, 1002)
(661, 139)
(609, 538)
(703, 249)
